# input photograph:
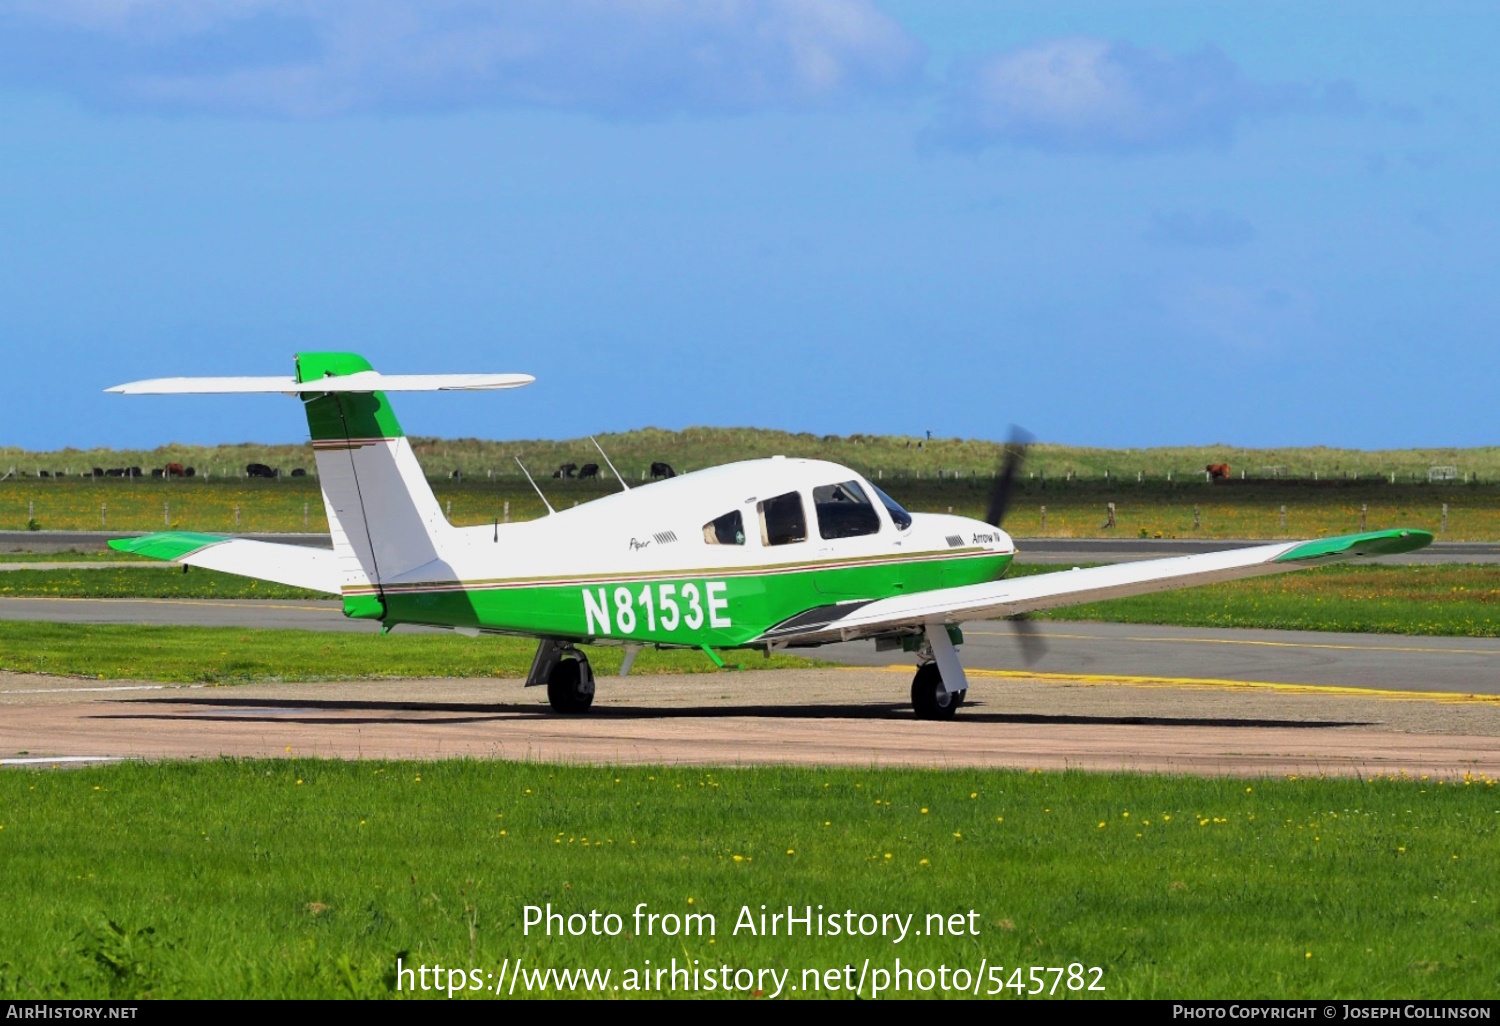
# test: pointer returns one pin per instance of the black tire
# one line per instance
(570, 688)
(928, 697)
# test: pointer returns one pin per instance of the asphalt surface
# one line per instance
(849, 717)
(1118, 652)
(1032, 550)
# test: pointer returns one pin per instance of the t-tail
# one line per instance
(386, 524)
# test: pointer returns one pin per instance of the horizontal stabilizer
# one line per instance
(295, 565)
(363, 381)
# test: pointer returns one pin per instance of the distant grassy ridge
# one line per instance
(1075, 509)
(899, 455)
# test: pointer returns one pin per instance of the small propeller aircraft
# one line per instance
(766, 554)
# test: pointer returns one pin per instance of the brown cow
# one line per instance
(1218, 471)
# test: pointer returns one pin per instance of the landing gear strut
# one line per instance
(567, 674)
(929, 698)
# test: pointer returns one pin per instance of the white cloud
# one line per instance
(1087, 94)
(308, 58)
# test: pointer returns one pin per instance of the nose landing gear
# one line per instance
(567, 674)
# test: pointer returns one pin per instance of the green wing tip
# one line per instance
(165, 544)
(1372, 543)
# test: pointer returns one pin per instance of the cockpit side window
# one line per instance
(899, 516)
(726, 530)
(844, 511)
(782, 520)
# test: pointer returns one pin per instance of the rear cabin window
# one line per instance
(782, 520)
(726, 530)
(844, 511)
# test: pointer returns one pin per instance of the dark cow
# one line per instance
(98, 471)
(566, 470)
(662, 470)
(259, 470)
(115, 472)
(157, 472)
(299, 472)
(133, 472)
(190, 472)
(1218, 471)
(587, 471)
(457, 475)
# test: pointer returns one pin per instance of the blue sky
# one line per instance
(1117, 224)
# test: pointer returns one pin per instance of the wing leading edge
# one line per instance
(1002, 598)
(296, 565)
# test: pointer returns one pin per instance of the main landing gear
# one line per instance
(939, 687)
(567, 674)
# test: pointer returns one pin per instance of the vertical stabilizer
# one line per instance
(383, 516)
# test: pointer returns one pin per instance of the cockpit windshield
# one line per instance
(899, 516)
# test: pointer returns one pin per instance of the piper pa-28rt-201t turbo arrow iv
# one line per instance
(767, 554)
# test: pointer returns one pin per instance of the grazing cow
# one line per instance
(457, 475)
(662, 470)
(115, 472)
(1218, 471)
(566, 470)
(259, 470)
(133, 471)
(175, 470)
(98, 471)
(299, 472)
(190, 472)
(157, 472)
(587, 471)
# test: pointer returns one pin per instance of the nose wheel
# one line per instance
(929, 698)
(570, 685)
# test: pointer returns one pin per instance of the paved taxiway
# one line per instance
(848, 717)
(1073, 650)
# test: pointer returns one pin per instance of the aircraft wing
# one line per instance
(361, 381)
(297, 565)
(996, 599)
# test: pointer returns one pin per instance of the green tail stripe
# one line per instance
(166, 544)
(1374, 543)
(348, 414)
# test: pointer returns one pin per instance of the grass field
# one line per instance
(698, 447)
(1453, 601)
(227, 655)
(309, 878)
(1456, 601)
(1073, 509)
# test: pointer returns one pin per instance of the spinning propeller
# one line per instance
(1030, 641)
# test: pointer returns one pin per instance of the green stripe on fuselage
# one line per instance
(724, 611)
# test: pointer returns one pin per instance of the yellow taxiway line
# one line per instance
(1264, 644)
(1452, 697)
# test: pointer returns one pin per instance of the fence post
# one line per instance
(1283, 516)
(1197, 521)
(1109, 513)
(449, 512)
(1363, 509)
(30, 511)
(304, 514)
(236, 516)
(507, 511)
(1444, 528)
(1044, 518)
(166, 515)
(103, 515)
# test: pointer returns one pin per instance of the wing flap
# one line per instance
(1002, 598)
(295, 565)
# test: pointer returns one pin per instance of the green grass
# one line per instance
(237, 656)
(1455, 601)
(309, 878)
(160, 581)
(1452, 601)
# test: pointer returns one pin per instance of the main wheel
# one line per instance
(570, 688)
(928, 696)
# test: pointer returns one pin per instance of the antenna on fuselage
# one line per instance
(539, 494)
(607, 460)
